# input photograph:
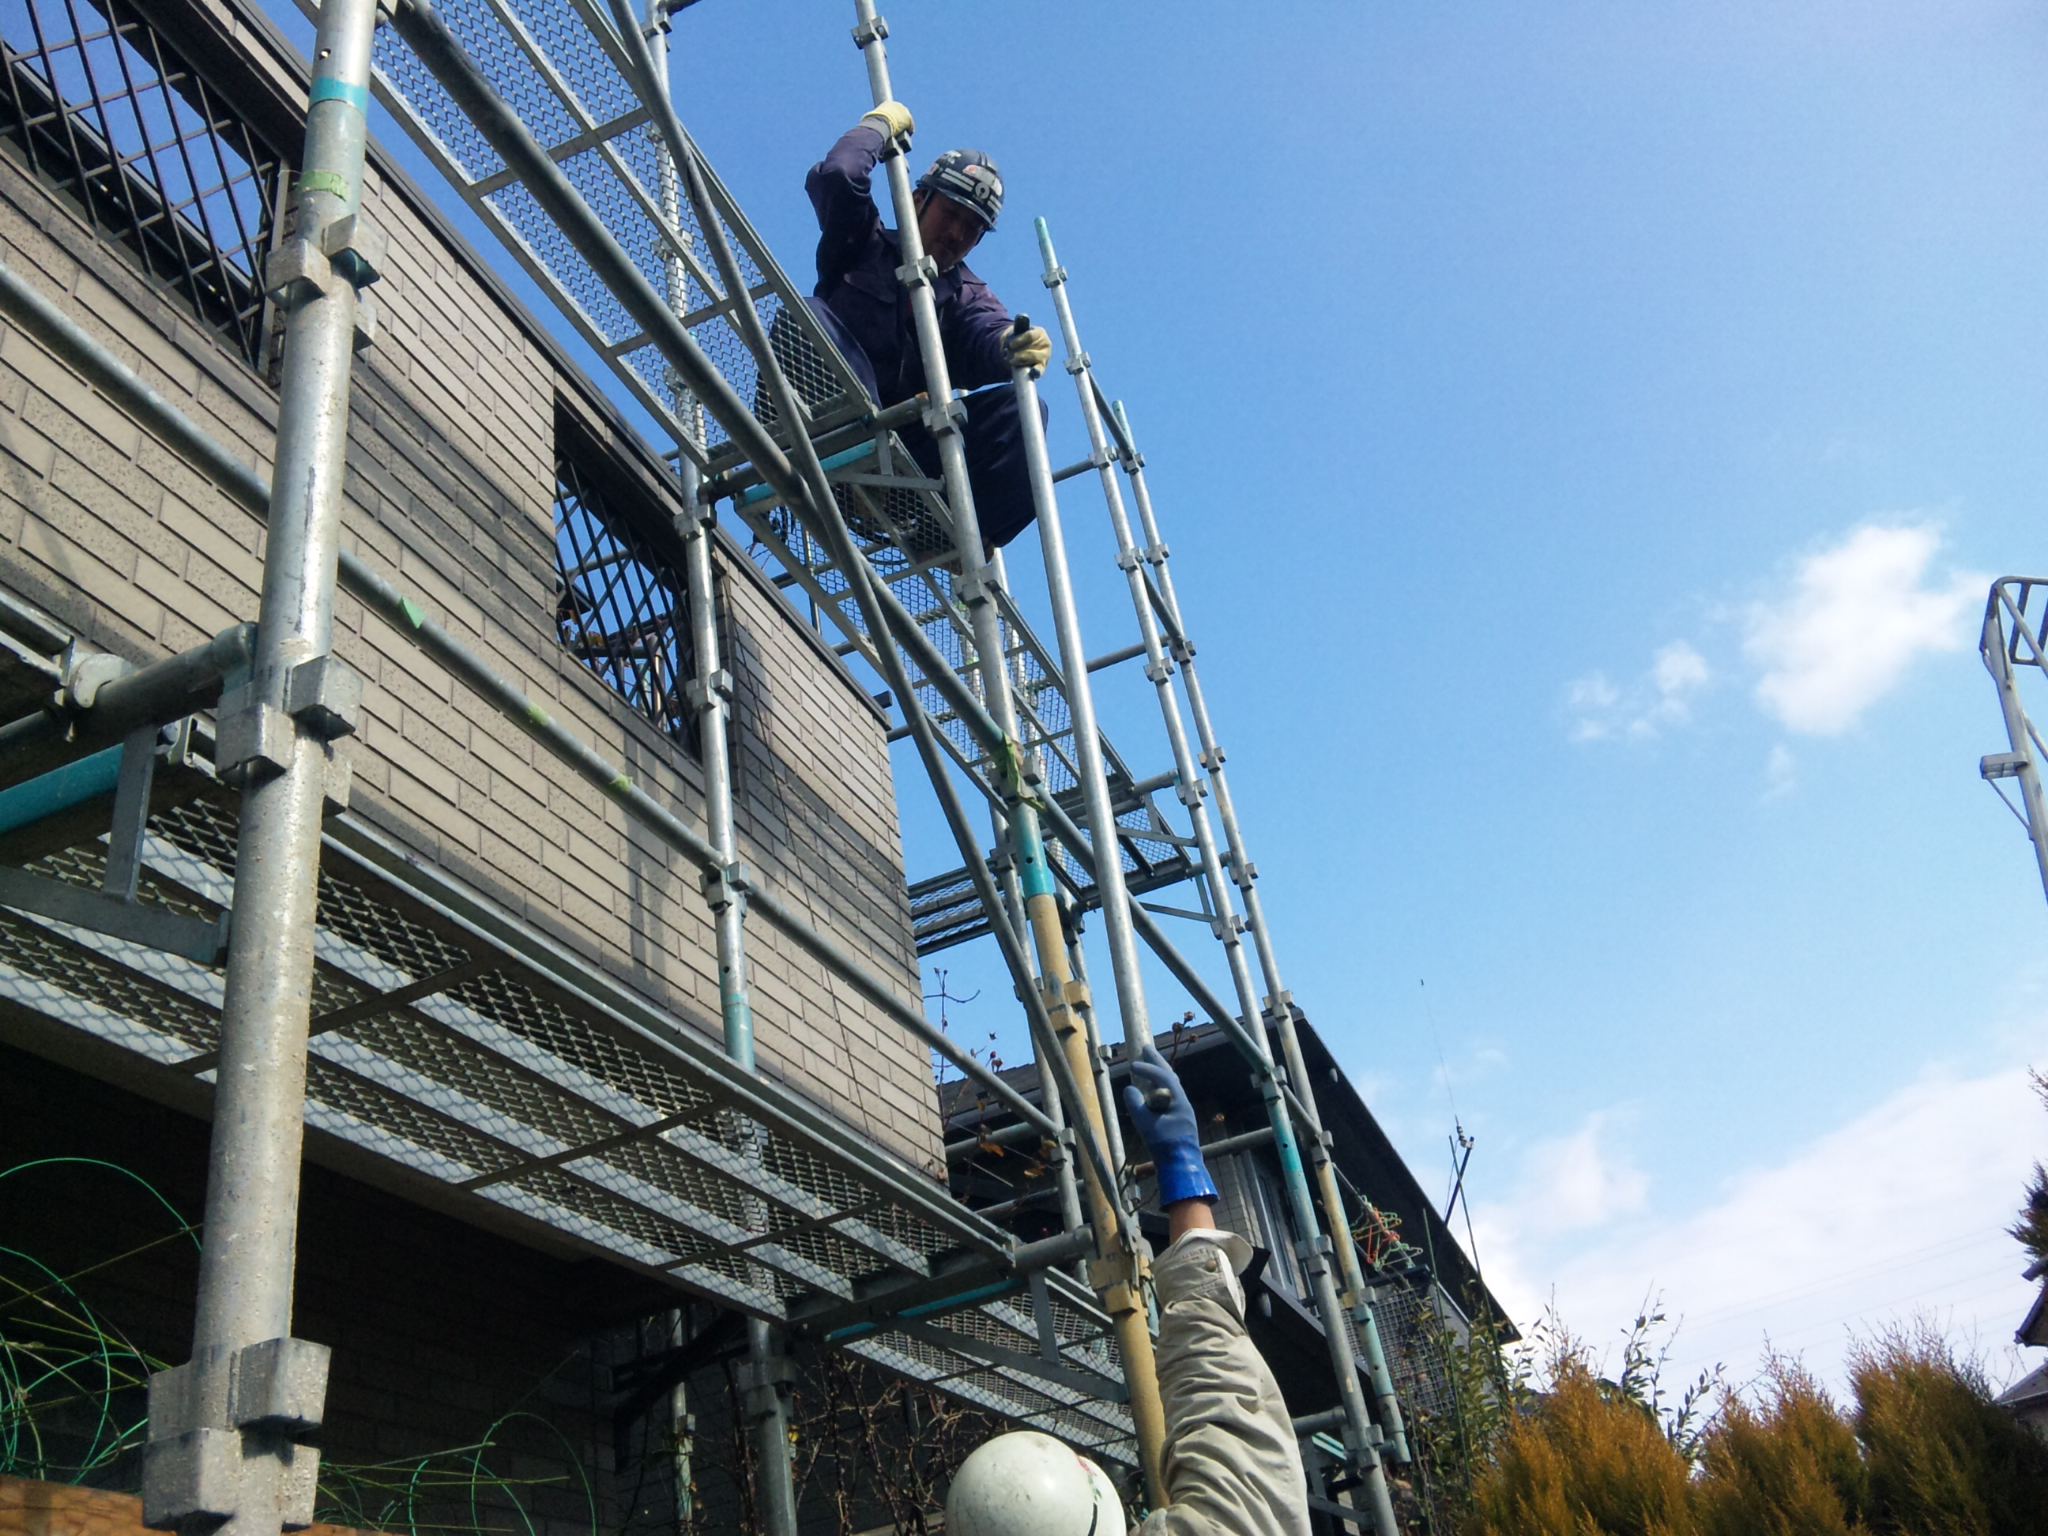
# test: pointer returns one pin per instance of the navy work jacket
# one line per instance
(857, 262)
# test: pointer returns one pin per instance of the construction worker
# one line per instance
(1232, 1467)
(865, 309)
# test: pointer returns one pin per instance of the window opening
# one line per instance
(620, 604)
(103, 107)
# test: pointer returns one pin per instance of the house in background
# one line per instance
(2027, 1398)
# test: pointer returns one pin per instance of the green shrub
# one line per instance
(1942, 1458)
(1788, 1466)
(1585, 1461)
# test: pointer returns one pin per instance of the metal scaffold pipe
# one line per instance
(1102, 825)
(2021, 762)
(205, 1451)
(103, 714)
(1159, 669)
(1358, 1294)
(1117, 1270)
(765, 1399)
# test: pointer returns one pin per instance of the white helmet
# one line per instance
(1027, 1484)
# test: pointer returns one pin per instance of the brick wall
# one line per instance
(450, 491)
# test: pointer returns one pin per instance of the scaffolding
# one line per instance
(2014, 616)
(582, 1111)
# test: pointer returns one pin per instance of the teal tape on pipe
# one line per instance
(327, 88)
(738, 1016)
(1032, 870)
(59, 790)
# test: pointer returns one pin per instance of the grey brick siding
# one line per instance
(449, 491)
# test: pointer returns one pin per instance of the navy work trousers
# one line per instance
(992, 435)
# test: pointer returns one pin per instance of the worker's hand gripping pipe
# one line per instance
(1147, 1412)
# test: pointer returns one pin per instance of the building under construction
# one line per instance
(483, 777)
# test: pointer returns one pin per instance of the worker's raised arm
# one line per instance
(840, 191)
(1232, 1467)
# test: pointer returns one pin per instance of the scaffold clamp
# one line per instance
(83, 674)
(697, 696)
(725, 886)
(196, 1472)
(356, 249)
(324, 695)
(918, 273)
(763, 1384)
(870, 32)
(941, 417)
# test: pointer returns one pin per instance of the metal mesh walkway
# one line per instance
(557, 64)
(454, 1044)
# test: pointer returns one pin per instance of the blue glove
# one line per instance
(1169, 1130)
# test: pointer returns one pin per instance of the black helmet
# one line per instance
(969, 178)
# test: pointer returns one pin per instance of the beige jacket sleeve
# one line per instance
(1232, 1465)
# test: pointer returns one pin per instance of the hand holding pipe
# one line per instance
(1027, 347)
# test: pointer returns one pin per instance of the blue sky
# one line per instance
(1585, 433)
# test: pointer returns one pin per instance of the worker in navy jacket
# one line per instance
(865, 309)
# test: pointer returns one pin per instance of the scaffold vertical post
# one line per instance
(1316, 1249)
(1116, 1272)
(225, 1450)
(766, 1398)
(1244, 874)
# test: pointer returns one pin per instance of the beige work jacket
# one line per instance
(1232, 1465)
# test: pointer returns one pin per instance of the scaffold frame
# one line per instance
(554, 126)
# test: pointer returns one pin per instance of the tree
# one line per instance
(1787, 1466)
(1586, 1462)
(1943, 1459)
(2032, 1227)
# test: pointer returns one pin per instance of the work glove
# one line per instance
(1160, 1110)
(892, 120)
(1030, 348)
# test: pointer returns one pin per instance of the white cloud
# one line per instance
(1581, 1180)
(1677, 671)
(1898, 1212)
(1853, 620)
(1661, 699)
(1781, 772)
(1591, 700)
